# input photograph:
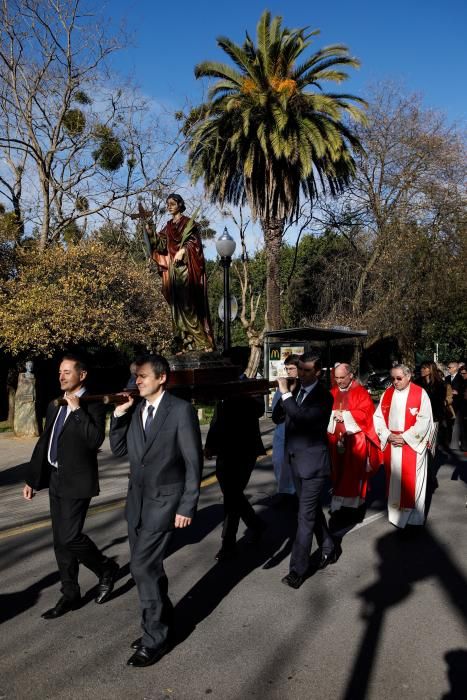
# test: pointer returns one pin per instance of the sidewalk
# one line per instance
(113, 476)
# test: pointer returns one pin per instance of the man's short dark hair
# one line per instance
(79, 361)
(292, 360)
(311, 356)
(158, 363)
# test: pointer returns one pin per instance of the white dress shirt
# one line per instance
(68, 411)
(155, 404)
(306, 389)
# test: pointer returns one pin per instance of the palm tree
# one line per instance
(268, 133)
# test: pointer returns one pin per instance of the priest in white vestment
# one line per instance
(404, 424)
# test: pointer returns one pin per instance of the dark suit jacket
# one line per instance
(458, 384)
(82, 435)
(306, 431)
(234, 429)
(165, 468)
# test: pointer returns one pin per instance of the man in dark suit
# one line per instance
(455, 425)
(234, 436)
(65, 461)
(162, 439)
(306, 413)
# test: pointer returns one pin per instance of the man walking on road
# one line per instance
(353, 443)
(456, 381)
(65, 461)
(162, 438)
(235, 438)
(404, 424)
(306, 413)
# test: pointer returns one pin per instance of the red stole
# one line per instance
(409, 456)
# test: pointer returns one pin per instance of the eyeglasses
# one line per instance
(397, 379)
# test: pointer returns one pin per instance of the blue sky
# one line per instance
(417, 43)
(420, 43)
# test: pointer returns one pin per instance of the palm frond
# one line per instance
(214, 69)
(269, 131)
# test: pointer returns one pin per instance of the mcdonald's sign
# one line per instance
(274, 354)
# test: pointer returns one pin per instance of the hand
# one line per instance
(72, 401)
(339, 417)
(396, 440)
(179, 255)
(283, 384)
(28, 492)
(182, 521)
(122, 408)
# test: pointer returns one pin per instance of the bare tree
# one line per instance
(403, 216)
(253, 326)
(80, 142)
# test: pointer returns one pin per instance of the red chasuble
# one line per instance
(352, 453)
(409, 456)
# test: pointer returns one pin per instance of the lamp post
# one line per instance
(225, 246)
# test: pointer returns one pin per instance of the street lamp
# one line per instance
(225, 246)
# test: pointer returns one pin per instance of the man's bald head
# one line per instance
(343, 375)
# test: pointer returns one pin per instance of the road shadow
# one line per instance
(456, 660)
(13, 604)
(342, 521)
(206, 520)
(455, 458)
(216, 584)
(406, 557)
(14, 475)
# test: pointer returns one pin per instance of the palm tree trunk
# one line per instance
(273, 230)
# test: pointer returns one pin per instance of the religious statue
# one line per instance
(178, 252)
(25, 419)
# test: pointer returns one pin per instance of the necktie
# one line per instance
(56, 433)
(300, 396)
(149, 419)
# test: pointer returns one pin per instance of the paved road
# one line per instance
(113, 475)
(389, 620)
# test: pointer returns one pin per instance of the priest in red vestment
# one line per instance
(353, 443)
(404, 424)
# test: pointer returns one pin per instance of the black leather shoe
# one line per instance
(63, 606)
(330, 558)
(146, 656)
(226, 553)
(293, 579)
(137, 644)
(106, 583)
